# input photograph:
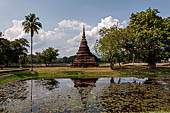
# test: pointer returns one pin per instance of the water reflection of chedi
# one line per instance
(84, 87)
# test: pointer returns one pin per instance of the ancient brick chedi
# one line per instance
(84, 58)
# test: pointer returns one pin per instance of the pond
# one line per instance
(117, 94)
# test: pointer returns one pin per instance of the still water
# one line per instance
(117, 94)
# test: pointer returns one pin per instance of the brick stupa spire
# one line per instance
(84, 58)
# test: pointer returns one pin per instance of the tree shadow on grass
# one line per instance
(27, 74)
(143, 70)
(74, 72)
(17, 76)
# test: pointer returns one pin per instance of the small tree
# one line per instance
(109, 46)
(49, 54)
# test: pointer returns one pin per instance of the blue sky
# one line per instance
(52, 12)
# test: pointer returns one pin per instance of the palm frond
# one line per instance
(31, 24)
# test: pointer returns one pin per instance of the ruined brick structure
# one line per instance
(84, 58)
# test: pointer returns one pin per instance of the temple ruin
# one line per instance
(84, 58)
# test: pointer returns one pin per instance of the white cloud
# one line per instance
(16, 31)
(67, 43)
(108, 22)
(73, 24)
(49, 38)
(124, 23)
(93, 35)
(41, 41)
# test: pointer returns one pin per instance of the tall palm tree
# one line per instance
(31, 25)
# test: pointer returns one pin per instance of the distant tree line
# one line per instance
(145, 39)
(46, 57)
(16, 52)
(66, 60)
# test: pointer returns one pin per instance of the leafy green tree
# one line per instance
(65, 59)
(129, 45)
(49, 54)
(18, 47)
(109, 46)
(10, 50)
(5, 51)
(31, 25)
(151, 36)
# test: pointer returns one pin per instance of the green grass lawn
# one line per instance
(10, 69)
(102, 71)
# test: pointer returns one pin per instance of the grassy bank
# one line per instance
(103, 71)
(11, 69)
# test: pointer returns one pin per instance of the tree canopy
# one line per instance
(110, 45)
(152, 35)
(49, 54)
(147, 38)
(10, 50)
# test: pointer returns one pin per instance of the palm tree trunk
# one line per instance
(31, 95)
(31, 55)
